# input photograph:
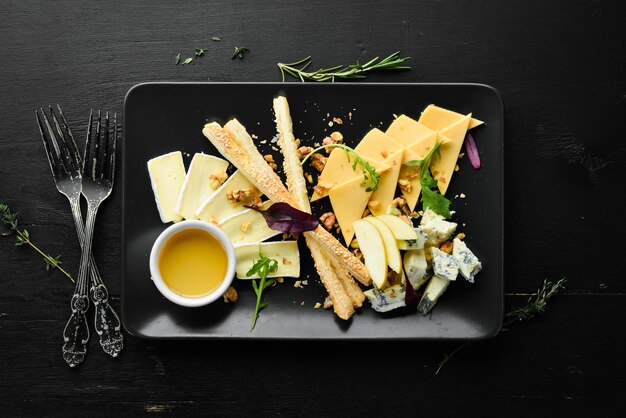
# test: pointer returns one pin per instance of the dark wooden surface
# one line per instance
(560, 67)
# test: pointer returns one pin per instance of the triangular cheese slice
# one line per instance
(378, 145)
(383, 196)
(416, 151)
(338, 169)
(438, 118)
(407, 131)
(349, 200)
(442, 167)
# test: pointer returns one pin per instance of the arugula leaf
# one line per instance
(262, 267)
(431, 198)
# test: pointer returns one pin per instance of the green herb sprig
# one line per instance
(371, 177)
(9, 218)
(263, 267)
(431, 198)
(239, 51)
(353, 71)
(535, 306)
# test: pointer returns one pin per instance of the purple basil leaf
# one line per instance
(285, 218)
(472, 151)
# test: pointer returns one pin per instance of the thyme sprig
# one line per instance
(371, 177)
(9, 218)
(536, 305)
(263, 267)
(353, 71)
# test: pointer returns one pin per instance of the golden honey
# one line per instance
(193, 263)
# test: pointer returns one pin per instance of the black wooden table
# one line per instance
(561, 70)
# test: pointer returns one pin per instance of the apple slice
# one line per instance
(389, 241)
(400, 229)
(373, 249)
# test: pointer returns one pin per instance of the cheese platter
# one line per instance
(361, 140)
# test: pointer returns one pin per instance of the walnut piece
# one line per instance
(321, 188)
(230, 295)
(270, 160)
(318, 161)
(304, 151)
(405, 185)
(239, 195)
(216, 179)
(446, 247)
(328, 220)
(334, 138)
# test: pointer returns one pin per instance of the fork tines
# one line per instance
(99, 161)
(64, 157)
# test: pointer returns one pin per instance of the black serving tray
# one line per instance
(165, 117)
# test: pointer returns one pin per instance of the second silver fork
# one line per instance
(65, 163)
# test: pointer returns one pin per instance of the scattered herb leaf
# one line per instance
(536, 305)
(431, 198)
(9, 218)
(262, 267)
(283, 217)
(216, 39)
(187, 61)
(199, 52)
(178, 59)
(371, 177)
(353, 71)
(239, 51)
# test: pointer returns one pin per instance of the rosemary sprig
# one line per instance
(353, 71)
(536, 305)
(371, 177)
(263, 267)
(9, 218)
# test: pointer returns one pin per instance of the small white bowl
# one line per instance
(158, 279)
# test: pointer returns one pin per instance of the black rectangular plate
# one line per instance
(165, 117)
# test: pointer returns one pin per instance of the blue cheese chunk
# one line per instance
(388, 299)
(414, 244)
(469, 265)
(445, 265)
(436, 227)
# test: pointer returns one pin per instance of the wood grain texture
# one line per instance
(561, 72)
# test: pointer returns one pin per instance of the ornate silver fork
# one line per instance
(65, 163)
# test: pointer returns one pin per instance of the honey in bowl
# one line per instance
(193, 263)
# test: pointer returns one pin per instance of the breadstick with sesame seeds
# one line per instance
(342, 303)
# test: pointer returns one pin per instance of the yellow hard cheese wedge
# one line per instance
(378, 145)
(338, 169)
(284, 252)
(203, 174)
(349, 200)
(167, 174)
(408, 131)
(442, 168)
(218, 207)
(438, 118)
(416, 151)
(382, 197)
(248, 226)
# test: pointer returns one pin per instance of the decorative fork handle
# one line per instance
(76, 331)
(106, 321)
